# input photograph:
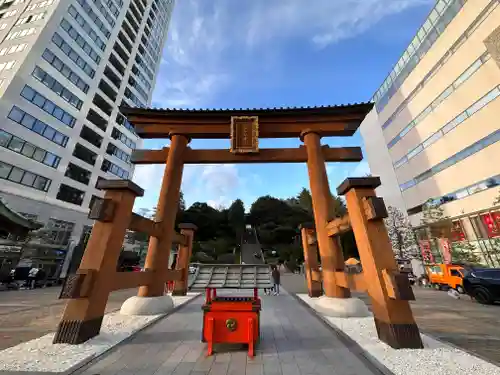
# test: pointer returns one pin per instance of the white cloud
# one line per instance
(210, 40)
(218, 185)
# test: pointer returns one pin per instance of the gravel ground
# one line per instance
(29, 314)
(463, 323)
(436, 358)
(40, 355)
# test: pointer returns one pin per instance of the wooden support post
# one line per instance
(183, 258)
(332, 259)
(393, 317)
(166, 210)
(90, 287)
(310, 259)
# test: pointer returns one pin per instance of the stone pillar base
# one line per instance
(147, 305)
(77, 331)
(341, 307)
(179, 293)
(399, 336)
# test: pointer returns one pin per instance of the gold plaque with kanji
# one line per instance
(244, 134)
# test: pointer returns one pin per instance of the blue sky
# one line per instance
(272, 53)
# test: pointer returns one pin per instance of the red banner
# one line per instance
(425, 247)
(457, 232)
(446, 249)
(492, 223)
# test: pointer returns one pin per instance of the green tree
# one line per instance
(236, 218)
(464, 251)
(400, 233)
(182, 202)
(432, 213)
(304, 199)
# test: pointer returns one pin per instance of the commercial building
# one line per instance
(65, 68)
(433, 135)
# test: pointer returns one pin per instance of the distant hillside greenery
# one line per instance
(276, 220)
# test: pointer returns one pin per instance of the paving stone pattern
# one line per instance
(293, 342)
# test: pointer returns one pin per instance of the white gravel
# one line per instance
(40, 355)
(437, 358)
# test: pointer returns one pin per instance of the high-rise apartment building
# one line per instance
(65, 68)
(433, 135)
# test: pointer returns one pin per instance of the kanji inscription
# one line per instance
(244, 134)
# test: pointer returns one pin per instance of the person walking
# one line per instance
(276, 275)
(32, 277)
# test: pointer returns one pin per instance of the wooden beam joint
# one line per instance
(374, 208)
(338, 226)
(102, 210)
(397, 285)
(152, 228)
(78, 285)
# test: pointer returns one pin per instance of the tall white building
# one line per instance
(65, 68)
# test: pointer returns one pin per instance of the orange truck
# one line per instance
(446, 276)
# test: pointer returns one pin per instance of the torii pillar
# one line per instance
(166, 211)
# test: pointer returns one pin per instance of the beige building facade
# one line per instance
(439, 113)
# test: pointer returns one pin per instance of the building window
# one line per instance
(91, 136)
(30, 18)
(48, 106)
(120, 154)
(57, 87)
(122, 120)
(66, 26)
(8, 14)
(77, 173)
(7, 65)
(478, 105)
(59, 231)
(423, 41)
(442, 97)
(384, 99)
(104, 11)
(20, 33)
(27, 149)
(70, 194)
(84, 154)
(13, 49)
(22, 177)
(97, 119)
(86, 27)
(40, 4)
(93, 16)
(73, 55)
(109, 167)
(25, 119)
(116, 134)
(459, 156)
(65, 70)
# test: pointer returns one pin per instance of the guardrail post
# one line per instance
(89, 288)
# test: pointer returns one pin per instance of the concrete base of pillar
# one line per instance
(341, 307)
(147, 305)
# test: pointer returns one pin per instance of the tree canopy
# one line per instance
(276, 220)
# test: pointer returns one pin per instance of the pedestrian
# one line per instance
(33, 273)
(276, 280)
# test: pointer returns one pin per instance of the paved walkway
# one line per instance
(293, 342)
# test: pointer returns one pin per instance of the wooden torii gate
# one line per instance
(88, 290)
(389, 290)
